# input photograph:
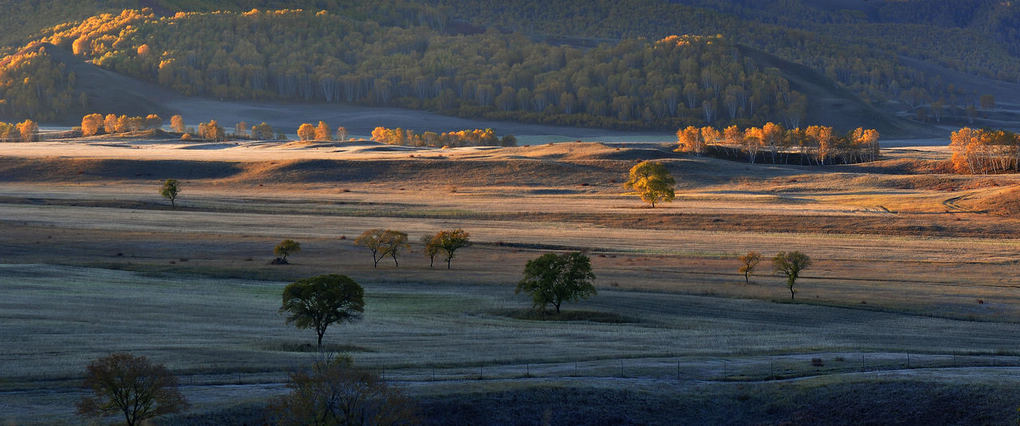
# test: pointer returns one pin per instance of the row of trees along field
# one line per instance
(773, 143)
(475, 137)
(25, 131)
(299, 55)
(321, 132)
(985, 151)
(94, 124)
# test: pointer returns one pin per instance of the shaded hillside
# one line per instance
(111, 92)
(319, 57)
(836, 106)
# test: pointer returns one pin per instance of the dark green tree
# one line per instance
(286, 248)
(791, 264)
(320, 301)
(554, 279)
(170, 190)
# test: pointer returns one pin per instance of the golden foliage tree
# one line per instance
(652, 182)
(212, 131)
(177, 124)
(323, 132)
(985, 151)
(91, 124)
(306, 132)
(28, 130)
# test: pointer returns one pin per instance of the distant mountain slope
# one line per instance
(508, 61)
(320, 57)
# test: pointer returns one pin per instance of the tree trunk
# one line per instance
(449, 260)
(747, 280)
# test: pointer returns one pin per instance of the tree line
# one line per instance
(474, 137)
(985, 151)
(25, 131)
(818, 145)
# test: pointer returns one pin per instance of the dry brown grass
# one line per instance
(893, 249)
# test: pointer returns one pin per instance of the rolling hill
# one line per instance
(737, 64)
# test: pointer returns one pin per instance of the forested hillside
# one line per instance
(322, 57)
(602, 63)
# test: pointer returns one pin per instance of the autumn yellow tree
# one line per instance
(306, 132)
(822, 138)
(690, 140)
(110, 124)
(323, 132)
(341, 134)
(91, 124)
(7, 131)
(212, 131)
(177, 124)
(28, 130)
(652, 182)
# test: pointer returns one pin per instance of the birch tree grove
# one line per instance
(985, 151)
(815, 144)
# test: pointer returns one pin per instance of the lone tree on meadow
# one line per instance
(652, 182)
(286, 248)
(383, 243)
(170, 190)
(130, 386)
(320, 301)
(747, 264)
(449, 242)
(556, 278)
(790, 264)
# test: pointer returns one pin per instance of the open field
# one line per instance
(913, 294)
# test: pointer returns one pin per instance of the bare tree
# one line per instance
(748, 262)
(125, 384)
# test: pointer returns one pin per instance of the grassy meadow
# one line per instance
(912, 294)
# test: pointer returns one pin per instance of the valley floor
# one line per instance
(912, 298)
